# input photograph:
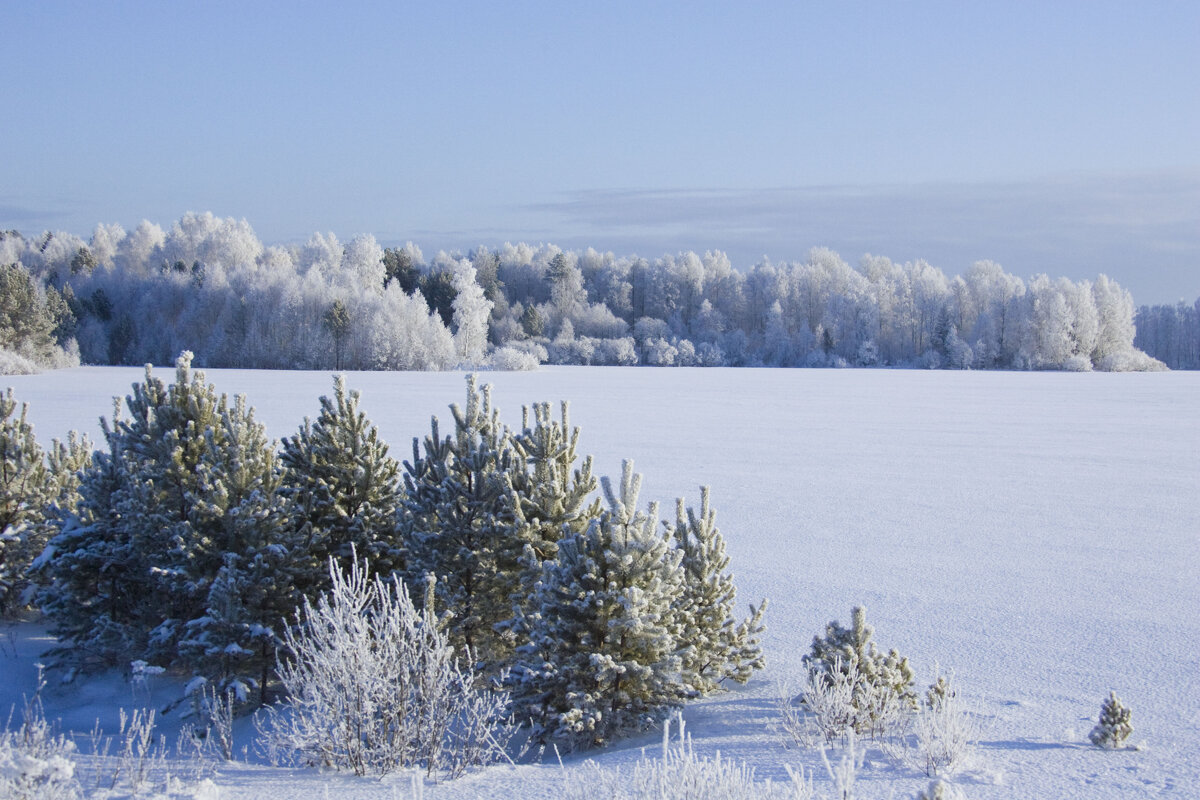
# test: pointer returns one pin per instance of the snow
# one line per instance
(1037, 533)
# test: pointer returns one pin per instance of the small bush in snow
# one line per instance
(837, 704)
(1114, 727)
(375, 686)
(945, 731)
(680, 774)
(879, 685)
(35, 762)
(940, 790)
(512, 359)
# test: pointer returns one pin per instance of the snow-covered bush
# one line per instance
(945, 731)
(1129, 360)
(941, 790)
(847, 659)
(511, 359)
(35, 762)
(1114, 726)
(16, 364)
(838, 704)
(375, 686)
(681, 774)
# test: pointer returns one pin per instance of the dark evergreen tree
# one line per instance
(532, 322)
(184, 482)
(343, 491)
(457, 522)
(439, 292)
(250, 563)
(398, 266)
(337, 323)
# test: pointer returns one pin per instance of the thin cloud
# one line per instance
(1143, 230)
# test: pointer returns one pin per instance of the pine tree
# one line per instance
(86, 595)
(456, 522)
(232, 641)
(186, 480)
(547, 494)
(25, 486)
(602, 656)
(343, 490)
(719, 648)
(27, 324)
(1114, 726)
(842, 649)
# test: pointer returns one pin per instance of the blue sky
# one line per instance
(1052, 137)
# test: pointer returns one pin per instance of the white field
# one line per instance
(1037, 533)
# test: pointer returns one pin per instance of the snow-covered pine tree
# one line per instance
(1114, 726)
(85, 595)
(233, 641)
(602, 656)
(456, 523)
(343, 491)
(844, 648)
(547, 493)
(719, 648)
(24, 486)
(184, 475)
(65, 465)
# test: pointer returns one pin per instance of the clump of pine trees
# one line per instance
(193, 539)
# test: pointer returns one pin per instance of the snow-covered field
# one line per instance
(1037, 533)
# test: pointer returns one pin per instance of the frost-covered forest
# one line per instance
(209, 285)
(1170, 333)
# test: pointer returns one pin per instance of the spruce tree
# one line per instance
(343, 490)
(719, 648)
(457, 523)
(602, 656)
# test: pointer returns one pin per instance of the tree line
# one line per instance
(1170, 333)
(210, 286)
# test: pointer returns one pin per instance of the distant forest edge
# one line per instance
(209, 285)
